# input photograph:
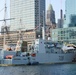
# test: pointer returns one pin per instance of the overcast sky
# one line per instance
(57, 5)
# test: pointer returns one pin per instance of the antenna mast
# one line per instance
(43, 28)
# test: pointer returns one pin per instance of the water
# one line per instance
(58, 69)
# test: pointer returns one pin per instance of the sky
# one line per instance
(57, 5)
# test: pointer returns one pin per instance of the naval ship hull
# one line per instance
(43, 58)
(38, 58)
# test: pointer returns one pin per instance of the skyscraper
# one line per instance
(61, 20)
(50, 15)
(50, 20)
(28, 14)
(70, 12)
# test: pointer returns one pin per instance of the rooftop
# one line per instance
(50, 7)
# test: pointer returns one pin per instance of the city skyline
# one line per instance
(56, 5)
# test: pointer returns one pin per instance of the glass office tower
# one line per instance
(28, 14)
(70, 12)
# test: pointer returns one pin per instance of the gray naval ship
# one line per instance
(42, 52)
(48, 52)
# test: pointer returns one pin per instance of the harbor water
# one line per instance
(53, 69)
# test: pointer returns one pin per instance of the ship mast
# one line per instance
(43, 28)
(4, 20)
(4, 24)
(20, 31)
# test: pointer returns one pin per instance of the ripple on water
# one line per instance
(62, 69)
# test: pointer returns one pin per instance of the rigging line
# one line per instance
(2, 9)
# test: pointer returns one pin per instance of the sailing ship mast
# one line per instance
(4, 20)
(20, 31)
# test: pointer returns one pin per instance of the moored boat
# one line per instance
(48, 52)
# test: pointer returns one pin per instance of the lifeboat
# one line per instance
(9, 56)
